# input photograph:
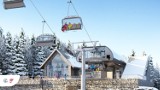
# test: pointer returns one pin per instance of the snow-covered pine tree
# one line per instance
(15, 54)
(151, 68)
(7, 63)
(20, 62)
(69, 48)
(157, 76)
(31, 54)
(2, 49)
(40, 57)
(58, 44)
(9, 53)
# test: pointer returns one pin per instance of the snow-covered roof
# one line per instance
(119, 57)
(136, 68)
(116, 55)
(67, 57)
(74, 62)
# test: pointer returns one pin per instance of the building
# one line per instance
(61, 64)
(102, 63)
(140, 67)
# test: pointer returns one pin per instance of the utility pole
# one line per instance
(83, 76)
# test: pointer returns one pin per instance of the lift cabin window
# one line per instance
(71, 23)
(10, 4)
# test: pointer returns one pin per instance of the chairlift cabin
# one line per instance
(46, 40)
(71, 23)
(10, 4)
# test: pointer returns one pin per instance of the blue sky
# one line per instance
(122, 25)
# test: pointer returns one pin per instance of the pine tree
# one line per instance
(21, 66)
(15, 54)
(157, 76)
(40, 57)
(31, 56)
(151, 68)
(2, 49)
(7, 63)
(70, 48)
(9, 53)
(58, 45)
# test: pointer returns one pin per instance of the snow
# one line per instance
(19, 64)
(147, 88)
(119, 57)
(74, 62)
(22, 73)
(136, 68)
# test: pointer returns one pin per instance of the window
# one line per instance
(108, 57)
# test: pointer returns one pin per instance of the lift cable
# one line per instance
(44, 21)
(70, 2)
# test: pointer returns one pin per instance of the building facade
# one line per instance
(60, 66)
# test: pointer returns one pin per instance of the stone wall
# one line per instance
(145, 83)
(73, 84)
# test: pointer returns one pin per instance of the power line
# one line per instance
(70, 2)
(41, 16)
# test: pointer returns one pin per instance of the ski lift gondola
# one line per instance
(46, 40)
(10, 4)
(71, 23)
